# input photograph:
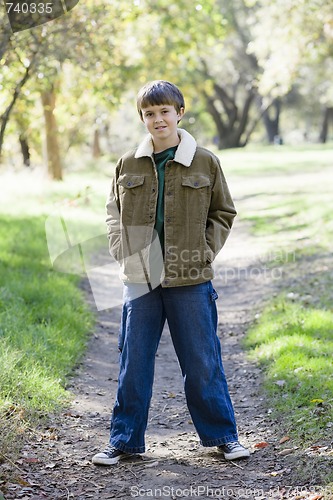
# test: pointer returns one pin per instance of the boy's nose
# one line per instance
(158, 119)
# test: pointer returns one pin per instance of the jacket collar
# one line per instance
(185, 151)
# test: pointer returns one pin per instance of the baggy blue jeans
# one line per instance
(192, 318)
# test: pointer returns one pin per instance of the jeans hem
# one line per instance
(220, 441)
(126, 449)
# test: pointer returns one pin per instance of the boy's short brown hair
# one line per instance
(159, 92)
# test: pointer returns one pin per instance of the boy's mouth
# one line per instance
(161, 127)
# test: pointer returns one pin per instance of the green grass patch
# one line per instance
(44, 321)
(288, 204)
(297, 218)
(276, 160)
(293, 340)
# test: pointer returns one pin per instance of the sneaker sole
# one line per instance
(109, 461)
(237, 454)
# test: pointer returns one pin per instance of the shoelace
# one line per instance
(109, 449)
(233, 445)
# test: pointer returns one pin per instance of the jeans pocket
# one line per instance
(214, 295)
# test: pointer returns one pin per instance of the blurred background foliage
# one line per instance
(252, 71)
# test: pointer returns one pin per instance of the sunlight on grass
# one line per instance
(298, 218)
(294, 342)
(44, 320)
(276, 160)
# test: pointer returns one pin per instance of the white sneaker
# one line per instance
(110, 456)
(234, 450)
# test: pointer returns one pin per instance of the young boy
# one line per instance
(170, 187)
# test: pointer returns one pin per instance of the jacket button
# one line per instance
(196, 184)
(153, 190)
(129, 184)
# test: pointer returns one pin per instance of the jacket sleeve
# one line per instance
(221, 213)
(113, 218)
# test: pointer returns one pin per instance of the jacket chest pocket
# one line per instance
(132, 192)
(196, 181)
(130, 182)
(195, 196)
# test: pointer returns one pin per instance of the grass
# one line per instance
(286, 201)
(293, 337)
(257, 160)
(43, 317)
(293, 340)
(300, 218)
(44, 320)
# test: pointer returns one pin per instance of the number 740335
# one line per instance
(29, 8)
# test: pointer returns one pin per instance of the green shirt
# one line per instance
(161, 160)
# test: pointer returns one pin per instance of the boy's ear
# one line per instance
(181, 114)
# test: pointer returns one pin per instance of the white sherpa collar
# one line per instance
(185, 151)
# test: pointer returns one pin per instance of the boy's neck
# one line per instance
(160, 146)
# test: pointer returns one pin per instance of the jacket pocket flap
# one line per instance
(130, 181)
(196, 181)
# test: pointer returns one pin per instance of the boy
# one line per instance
(174, 189)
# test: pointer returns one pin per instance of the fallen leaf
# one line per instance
(31, 460)
(71, 414)
(284, 439)
(316, 401)
(286, 451)
(23, 482)
(316, 497)
(278, 472)
(262, 444)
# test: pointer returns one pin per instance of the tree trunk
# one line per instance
(4, 119)
(96, 145)
(272, 122)
(54, 166)
(5, 40)
(328, 116)
(25, 150)
(232, 124)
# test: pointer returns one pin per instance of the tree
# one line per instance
(296, 54)
(54, 164)
(328, 118)
(89, 37)
(206, 47)
(26, 70)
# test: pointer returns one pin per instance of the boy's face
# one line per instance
(162, 122)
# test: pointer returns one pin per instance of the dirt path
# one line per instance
(57, 464)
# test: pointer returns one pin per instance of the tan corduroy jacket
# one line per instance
(198, 214)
